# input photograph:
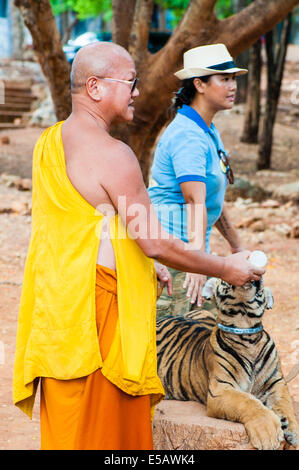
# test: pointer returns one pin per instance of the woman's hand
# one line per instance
(164, 276)
(194, 282)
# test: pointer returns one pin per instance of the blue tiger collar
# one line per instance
(240, 331)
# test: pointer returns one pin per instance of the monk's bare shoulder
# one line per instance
(99, 144)
(117, 158)
(120, 173)
(107, 162)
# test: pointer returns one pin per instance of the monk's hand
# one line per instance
(164, 276)
(194, 283)
(238, 270)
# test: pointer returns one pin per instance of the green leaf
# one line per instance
(84, 8)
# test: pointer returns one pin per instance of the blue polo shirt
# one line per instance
(187, 151)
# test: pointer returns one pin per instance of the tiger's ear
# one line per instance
(269, 298)
(208, 289)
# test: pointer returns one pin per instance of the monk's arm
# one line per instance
(124, 184)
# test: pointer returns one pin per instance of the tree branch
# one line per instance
(140, 30)
(197, 26)
(251, 23)
(197, 10)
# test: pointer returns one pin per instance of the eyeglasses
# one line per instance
(132, 83)
(226, 168)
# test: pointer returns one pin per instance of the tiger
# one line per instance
(229, 363)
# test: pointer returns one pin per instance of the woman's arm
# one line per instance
(194, 193)
(228, 231)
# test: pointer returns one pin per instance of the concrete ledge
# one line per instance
(185, 426)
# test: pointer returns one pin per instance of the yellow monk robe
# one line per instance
(57, 332)
(91, 413)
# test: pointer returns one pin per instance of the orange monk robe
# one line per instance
(91, 413)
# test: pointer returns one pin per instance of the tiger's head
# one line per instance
(249, 300)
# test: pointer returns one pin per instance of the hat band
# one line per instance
(223, 66)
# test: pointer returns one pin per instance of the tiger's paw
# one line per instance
(290, 430)
(265, 431)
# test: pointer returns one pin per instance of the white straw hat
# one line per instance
(208, 60)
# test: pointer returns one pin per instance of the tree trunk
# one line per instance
(199, 25)
(242, 60)
(276, 54)
(123, 13)
(18, 33)
(39, 19)
(252, 113)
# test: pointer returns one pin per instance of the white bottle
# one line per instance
(258, 258)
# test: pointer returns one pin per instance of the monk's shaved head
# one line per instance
(98, 58)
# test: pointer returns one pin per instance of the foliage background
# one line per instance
(92, 8)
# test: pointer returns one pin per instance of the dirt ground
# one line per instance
(282, 322)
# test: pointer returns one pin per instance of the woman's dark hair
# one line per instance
(186, 93)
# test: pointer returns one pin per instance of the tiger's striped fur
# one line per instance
(238, 377)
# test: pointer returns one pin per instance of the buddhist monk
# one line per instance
(86, 330)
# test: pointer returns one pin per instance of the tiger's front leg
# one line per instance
(262, 425)
(280, 402)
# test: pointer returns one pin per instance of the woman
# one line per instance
(190, 171)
